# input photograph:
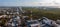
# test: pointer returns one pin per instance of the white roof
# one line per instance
(34, 24)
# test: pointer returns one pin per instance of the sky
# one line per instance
(29, 2)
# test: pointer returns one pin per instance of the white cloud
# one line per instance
(42, 3)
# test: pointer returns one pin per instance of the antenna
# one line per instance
(31, 15)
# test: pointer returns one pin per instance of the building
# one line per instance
(10, 10)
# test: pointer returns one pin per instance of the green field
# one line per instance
(51, 13)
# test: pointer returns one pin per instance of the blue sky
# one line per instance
(29, 2)
(17, 2)
(8, 2)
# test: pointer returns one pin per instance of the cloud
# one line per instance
(29, 2)
(41, 3)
